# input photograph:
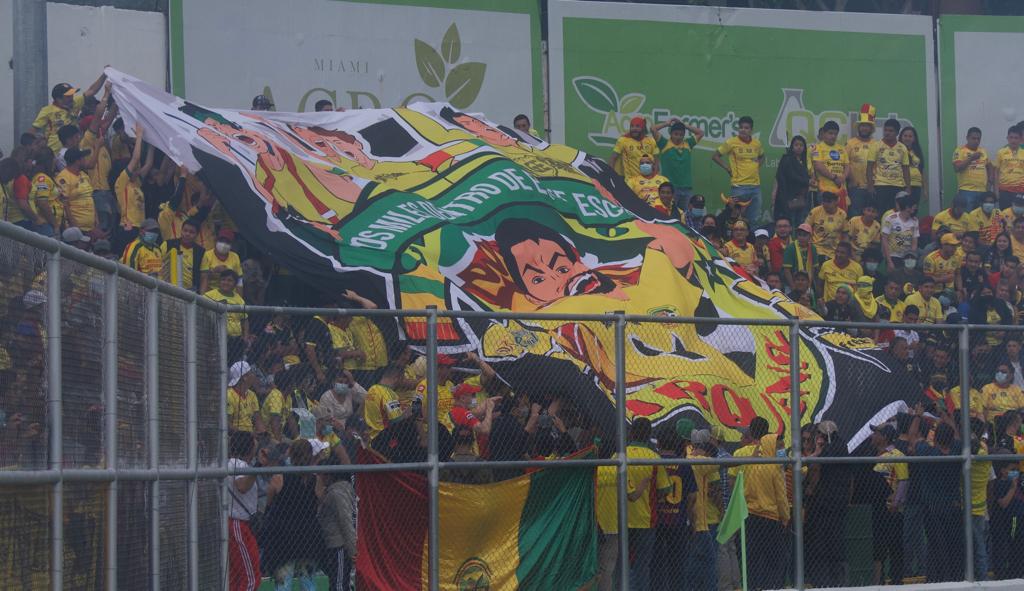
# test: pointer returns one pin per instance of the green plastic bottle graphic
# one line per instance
(792, 100)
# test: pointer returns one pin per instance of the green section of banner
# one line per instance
(789, 80)
(952, 128)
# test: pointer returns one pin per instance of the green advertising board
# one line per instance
(790, 70)
(980, 73)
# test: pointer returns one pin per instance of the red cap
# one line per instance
(226, 234)
(636, 121)
(465, 389)
(443, 359)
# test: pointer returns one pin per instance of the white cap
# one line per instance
(760, 233)
(238, 369)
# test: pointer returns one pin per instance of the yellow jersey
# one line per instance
(833, 275)
(366, 337)
(935, 264)
(45, 195)
(235, 318)
(987, 226)
(647, 188)
(895, 309)
(144, 258)
(975, 176)
(857, 151)
(132, 202)
(745, 255)
(445, 401)
(169, 270)
(744, 160)
(630, 151)
(77, 192)
(956, 225)
(999, 400)
(889, 162)
(835, 159)
(273, 405)
(826, 229)
(214, 264)
(861, 235)
(241, 408)
(639, 512)
(51, 118)
(916, 179)
(99, 174)
(9, 210)
(931, 311)
(380, 408)
(1010, 164)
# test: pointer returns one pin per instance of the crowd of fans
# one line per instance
(845, 240)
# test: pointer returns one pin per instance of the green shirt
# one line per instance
(676, 161)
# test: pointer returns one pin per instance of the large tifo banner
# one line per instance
(980, 74)
(431, 206)
(539, 532)
(790, 70)
(476, 54)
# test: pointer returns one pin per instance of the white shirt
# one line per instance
(911, 336)
(900, 233)
(1018, 378)
(243, 504)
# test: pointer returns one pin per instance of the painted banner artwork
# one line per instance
(428, 206)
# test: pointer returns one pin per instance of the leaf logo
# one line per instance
(596, 94)
(461, 82)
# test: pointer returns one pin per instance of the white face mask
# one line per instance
(222, 248)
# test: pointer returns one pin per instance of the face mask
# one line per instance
(1018, 209)
(864, 292)
(287, 461)
(340, 388)
(909, 264)
(472, 403)
(780, 453)
(150, 237)
(944, 301)
(222, 248)
(871, 267)
(699, 211)
(988, 208)
(327, 430)
(939, 385)
(709, 230)
(1013, 474)
(1001, 377)
(646, 169)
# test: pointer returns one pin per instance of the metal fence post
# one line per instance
(622, 475)
(191, 436)
(965, 449)
(433, 549)
(222, 458)
(153, 431)
(794, 435)
(110, 420)
(54, 411)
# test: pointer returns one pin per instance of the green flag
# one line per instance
(735, 513)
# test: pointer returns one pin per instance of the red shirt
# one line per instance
(776, 246)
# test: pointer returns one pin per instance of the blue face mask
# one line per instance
(699, 211)
(1018, 209)
(327, 430)
(988, 208)
(780, 453)
(646, 169)
(871, 267)
(1012, 474)
(150, 237)
(1001, 377)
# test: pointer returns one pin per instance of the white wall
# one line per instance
(81, 40)
(988, 88)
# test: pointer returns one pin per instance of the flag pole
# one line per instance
(743, 552)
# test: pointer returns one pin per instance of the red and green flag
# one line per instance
(536, 531)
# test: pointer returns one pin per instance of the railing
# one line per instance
(115, 448)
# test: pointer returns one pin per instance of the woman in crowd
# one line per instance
(918, 182)
(290, 537)
(996, 256)
(792, 181)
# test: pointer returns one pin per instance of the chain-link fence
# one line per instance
(158, 440)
